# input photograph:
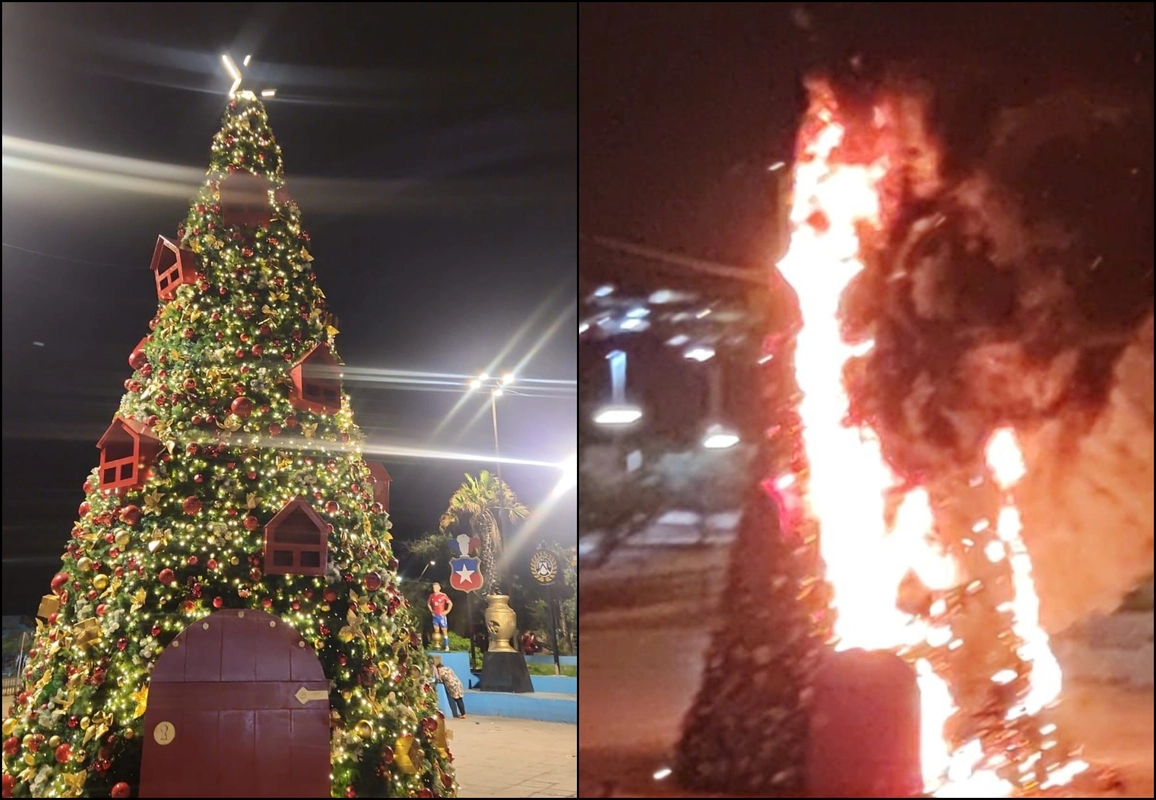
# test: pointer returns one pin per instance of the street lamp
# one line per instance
(427, 566)
(618, 412)
(618, 415)
(719, 438)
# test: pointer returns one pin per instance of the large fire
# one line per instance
(877, 528)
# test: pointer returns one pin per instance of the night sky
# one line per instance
(683, 106)
(431, 148)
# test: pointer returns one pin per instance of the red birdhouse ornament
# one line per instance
(172, 268)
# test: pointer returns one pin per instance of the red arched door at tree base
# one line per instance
(238, 706)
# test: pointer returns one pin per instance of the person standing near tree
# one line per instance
(440, 606)
(454, 690)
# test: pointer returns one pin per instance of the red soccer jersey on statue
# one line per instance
(438, 602)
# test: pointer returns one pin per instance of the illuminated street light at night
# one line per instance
(719, 438)
(618, 415)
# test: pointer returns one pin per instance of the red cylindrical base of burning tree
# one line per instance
(864, 730)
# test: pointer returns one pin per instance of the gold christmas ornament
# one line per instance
(84, 563)
(49, 605)
(123, 538)
(54, 741)
(440, 738)
(100, 582)
(364, 729)
(9, 726)
(407, 754)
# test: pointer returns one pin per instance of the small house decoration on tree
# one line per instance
(317, 382)
(381, 480)
(244, 200)
(296, 541)
(126, 449)
(172, 267)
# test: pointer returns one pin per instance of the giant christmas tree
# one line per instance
(230, 479)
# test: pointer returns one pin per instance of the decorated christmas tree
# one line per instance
(231, 491)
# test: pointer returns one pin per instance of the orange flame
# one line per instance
(866, 555)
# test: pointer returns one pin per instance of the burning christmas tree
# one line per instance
(895, 527)
(233, 518)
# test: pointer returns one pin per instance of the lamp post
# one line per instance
(497, 387)
(618, 412)
(427, 566)
(718, 437)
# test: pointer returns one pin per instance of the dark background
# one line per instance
(684, 105)
(431, 148)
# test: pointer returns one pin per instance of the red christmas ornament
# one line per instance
(151, 420)
(121, 789)
(156, 631)
(137, 358)
(212, 563)
(166, 576)
(251, 523)
(101, 609)
(218, 602)
(9, 784)
(121, 643)
(254, 574)
(424, 792)
(198, 478)
(63, 753)
(331, 506)
(373, 581)
(192, 505)
(84, 508)
(130, 515)
(291, 421)
(257, 349)
(189, 333)
(58, 580)
(330, 594)
(350, 791)
(11, 746)
(193, 561)
(387, 755)
(242, 407)
(274, 429)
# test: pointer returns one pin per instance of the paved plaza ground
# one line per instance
(646, 619)
(504, 757)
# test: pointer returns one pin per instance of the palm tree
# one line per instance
(480, 502)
